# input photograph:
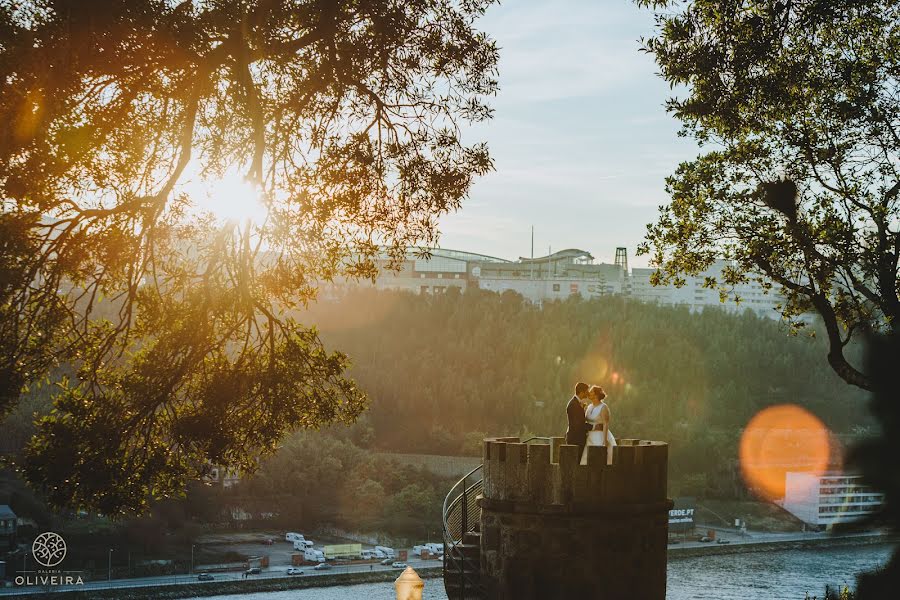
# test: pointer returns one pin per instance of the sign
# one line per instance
(402, 555)
(681, 517)
(343, 551)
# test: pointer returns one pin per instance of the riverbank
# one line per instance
(767, 544)
(220, 588)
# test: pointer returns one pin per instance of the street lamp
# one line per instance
(192, 558)
(109, 570)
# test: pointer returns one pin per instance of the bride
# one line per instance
(597, 414)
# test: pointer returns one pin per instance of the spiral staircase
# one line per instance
(462, 538)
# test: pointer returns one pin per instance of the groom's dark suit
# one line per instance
(578, 427)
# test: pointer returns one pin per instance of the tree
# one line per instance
(343, 118)
(798, 103)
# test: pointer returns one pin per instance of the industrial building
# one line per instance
(829, 498)
(558, 276)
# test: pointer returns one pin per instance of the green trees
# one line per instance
(439, 368)
(342, 119)
(796, 105)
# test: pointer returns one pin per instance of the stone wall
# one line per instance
(553, 528)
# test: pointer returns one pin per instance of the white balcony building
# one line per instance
(823, 500)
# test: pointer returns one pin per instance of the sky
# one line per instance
(580, 137)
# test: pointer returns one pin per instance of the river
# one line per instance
(777, 575)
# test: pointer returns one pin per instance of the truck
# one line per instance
(388, 552)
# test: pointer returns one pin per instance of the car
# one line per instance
(705, 539)
(398, 565)
(253, 571)
(723, 541)
(387, 561)
(294, 571)
(205, 577)
(322, 567)
(268, 541)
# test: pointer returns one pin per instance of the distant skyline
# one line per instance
(580, 137)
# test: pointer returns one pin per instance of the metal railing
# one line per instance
(461, 515)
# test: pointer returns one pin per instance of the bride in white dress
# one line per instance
(597, 414)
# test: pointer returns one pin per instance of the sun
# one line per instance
(230, 198)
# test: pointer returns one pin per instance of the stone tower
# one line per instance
(553, 528)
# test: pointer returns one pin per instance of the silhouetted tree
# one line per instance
(800, 102)
(342, 116)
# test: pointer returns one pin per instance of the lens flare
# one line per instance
(780, 439)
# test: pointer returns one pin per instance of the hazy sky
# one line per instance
(580, 138)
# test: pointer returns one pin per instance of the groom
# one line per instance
(578, 427)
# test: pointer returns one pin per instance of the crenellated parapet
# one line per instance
(553, 528)
(548, 475)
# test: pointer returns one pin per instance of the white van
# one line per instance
(310, 555)
(290, 536)
(435, 549)
(388, 552)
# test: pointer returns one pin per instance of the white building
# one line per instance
(553, 277)
(823, 500)
(558, 276)
(694, 295)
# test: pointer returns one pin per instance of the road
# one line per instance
(736, 537)
(274, 572)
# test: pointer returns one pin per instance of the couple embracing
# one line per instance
(588, 417)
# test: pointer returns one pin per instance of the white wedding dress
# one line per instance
(592, 414)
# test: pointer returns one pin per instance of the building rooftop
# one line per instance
(560, 255)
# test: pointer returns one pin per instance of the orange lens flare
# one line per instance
(780, 439)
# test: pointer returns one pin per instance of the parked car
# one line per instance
(387, 561)
(253, 571)
(268, 541)
(398, 565)
(322, 567)
(721, 541)
(294, 571)
(705, 539)
(205, 577)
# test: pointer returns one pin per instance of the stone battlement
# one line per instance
(546, 477)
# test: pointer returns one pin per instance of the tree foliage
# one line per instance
(797, 103)
(443, 369)
(343, 116)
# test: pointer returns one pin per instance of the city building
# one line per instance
(693, 294)
(8, 527)
(553, 277)
(829, 498)
(558, 276)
